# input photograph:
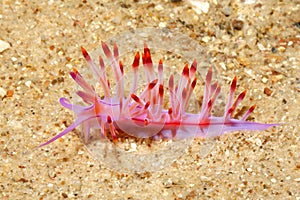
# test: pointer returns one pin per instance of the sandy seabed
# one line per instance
(258, 41)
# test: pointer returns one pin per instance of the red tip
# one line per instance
(74, 73)
(184, 93)
(209, 104)
(194, 83)
(233, 85)
(136, 60)
(214, 86)
(242, 95)
(84, 52)
(160, 65)
(146, 56)
(106, 49)
(146, 122)
(209, 76)
(108, 83)
(135, 98)
(218, 90)
(230, 111)
(252, 108)
(97, 106)
(152, 84)
(185, 71)
(147, 105)
(121, 67)
(109, 119)
(171, 82)
(115, 138)
(101, 63)
(170, 111)
(194, 66)
(161, 90)
(116, 51)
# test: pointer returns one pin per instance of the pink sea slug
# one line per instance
(143, 115)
